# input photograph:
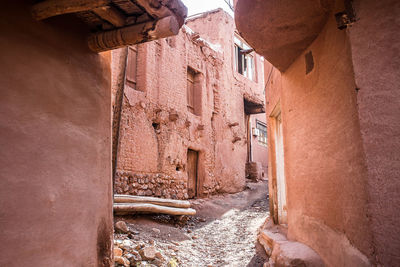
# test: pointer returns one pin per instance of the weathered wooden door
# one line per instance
(192, 158)
(280, 173)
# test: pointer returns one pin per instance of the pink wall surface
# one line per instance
(55, 156)
(375, 46)
(334, 148)
(341, 136)
(324, 158)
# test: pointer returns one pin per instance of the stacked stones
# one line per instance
(159, 185)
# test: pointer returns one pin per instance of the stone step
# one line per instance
(282, 252)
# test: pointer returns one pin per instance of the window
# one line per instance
(131, 67)
(244, 61)
(262, 132)
(190, 90)
(193, 91)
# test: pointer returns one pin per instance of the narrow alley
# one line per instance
(188, 133)
(222, 233)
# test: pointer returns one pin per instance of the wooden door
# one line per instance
(192, 158)
(280, 173)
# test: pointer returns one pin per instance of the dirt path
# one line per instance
(223, 233)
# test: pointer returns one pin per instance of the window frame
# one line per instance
(131, 68)
(190, 93)
(262, 138)
(243, 63)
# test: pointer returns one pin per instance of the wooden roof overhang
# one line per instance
(253, 105)
(118, 23)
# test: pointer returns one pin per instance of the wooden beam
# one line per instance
(154, 8)
(51, 8)
(131, 208)
(152, 200)
(110, 14)
(159, 9)
(134, 34)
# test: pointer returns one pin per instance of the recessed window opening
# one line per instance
(193, 91)
(131, 68)
(262, 132)
(244, 60)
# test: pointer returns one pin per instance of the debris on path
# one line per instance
(223, 233)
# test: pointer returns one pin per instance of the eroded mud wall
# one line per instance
(158, 129)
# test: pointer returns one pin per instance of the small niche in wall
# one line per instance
(309, 62)
(179, 168)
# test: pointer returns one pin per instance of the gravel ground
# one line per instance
(223, 233)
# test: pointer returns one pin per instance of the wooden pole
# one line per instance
(129, 208)
(51, 8)
(134, 34)
(151, 200)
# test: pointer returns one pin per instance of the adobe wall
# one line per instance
(56, 198)
(325, 166)
(376, 66)
(229, 160)
(157, 128)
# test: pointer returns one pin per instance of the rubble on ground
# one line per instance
(223, 233)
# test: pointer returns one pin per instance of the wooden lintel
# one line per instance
(51, 8)
(254, 110)
(110, 14)
(134, 34)
(247, 51)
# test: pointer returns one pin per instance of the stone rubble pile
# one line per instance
(131, 252)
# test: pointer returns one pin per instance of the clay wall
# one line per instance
(376, 66)
(55, 156)
(340, 111)
(231, 93)
(157, 129)
(324, 159)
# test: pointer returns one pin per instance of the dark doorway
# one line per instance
(192, 159)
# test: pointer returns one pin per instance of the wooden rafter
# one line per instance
(51, 8)
(119, 23)
(110, 14)
(154, 8)
(134, 34)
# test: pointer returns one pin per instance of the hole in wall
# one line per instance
(178, 168)
(309, 62)
(156, 126)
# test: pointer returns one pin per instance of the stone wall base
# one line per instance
(151, 184)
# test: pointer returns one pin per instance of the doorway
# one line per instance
(280, 171)
(278, 182)
(192, 162)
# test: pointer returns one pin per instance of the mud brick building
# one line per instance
(333, 114)
(185, 108)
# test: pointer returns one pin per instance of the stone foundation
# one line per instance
(152, 184)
